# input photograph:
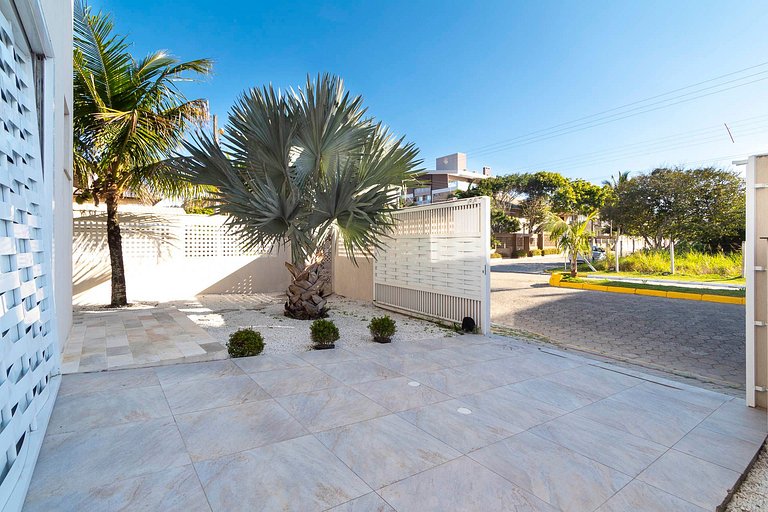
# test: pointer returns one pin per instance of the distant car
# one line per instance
(598, 253)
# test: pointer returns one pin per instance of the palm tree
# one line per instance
(129, 116)
(295, 168)
(571, 237)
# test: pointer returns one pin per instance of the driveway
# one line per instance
(699, 340)
(462, 424)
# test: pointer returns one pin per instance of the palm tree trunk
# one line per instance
(307, 291)
(574, 263)
(115, 243)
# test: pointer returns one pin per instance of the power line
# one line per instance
(569, 126)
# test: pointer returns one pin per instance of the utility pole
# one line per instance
(215, 128)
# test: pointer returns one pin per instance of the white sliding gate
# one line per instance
(756, 272)
(29, 355)
(436, 264)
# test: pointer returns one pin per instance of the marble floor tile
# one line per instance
(369, 503)
(399, 394)
(171, 490)
(177, 373)
(690, 478)
(209, 434)
(735, 412)
(724, 425)
(107, 381)
(262, 363)
(355, 372)
(615, 448)
(472, 488)
(329, 408)
(100, 456)
(458, 381)
(335, 355)
(405, 364)
(294, 380)
(638, 496)
(88, 410)
(518, 410)
(298, 475)
(721, 449)
(650, 425)
(559, 476)
(387, 449)
(595, 380)
(648, 399)
(553, 393)
(453, 423)
(688, 394)
(197, 395)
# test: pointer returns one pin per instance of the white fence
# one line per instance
(168, 256)
(29, 356)
(437, 263)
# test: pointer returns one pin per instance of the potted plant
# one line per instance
(245, 343)
(324, 333)
(382, 329)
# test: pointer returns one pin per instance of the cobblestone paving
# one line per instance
(700, 340)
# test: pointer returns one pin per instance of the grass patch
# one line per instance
(657, 287)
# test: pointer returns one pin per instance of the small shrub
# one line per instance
(550, 250)
(382, 328)
(495, 255)
(245, 343)
(324, 332)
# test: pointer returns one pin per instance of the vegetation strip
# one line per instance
(669, 292)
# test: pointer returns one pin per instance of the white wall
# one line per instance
(59, 155)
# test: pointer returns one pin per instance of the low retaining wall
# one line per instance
(556, 280)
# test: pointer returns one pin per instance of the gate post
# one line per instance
(485, 216)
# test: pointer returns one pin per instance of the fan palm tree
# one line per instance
(295, 168)
(571, 237)
(129, 116)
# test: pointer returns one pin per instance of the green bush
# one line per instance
(382, 327)
(519, 254)
(245, 343)
(495, 255)
(324, 332)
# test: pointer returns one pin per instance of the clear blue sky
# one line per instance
(458, 76)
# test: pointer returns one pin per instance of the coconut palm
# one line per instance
(295, 168)
(129, 115)
(571, 237)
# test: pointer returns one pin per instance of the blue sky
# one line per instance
(460, 76)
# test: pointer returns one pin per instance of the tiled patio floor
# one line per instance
(460, 424)
(105, 339)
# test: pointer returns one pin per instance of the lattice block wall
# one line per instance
(28, 352)
(436, 263)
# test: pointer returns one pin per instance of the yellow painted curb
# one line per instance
(724, 299)
(617, 289)
(650, 293)
(684, 295)
(556, 280)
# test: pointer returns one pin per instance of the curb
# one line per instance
(556, 280)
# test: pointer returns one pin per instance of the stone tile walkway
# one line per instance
(690, 339)
(461, 424)
(106, 339)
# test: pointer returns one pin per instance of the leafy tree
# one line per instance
(704, 208)
(579, 197)
(297, 167)
(129, 115)
(502, 222)
(571, 237)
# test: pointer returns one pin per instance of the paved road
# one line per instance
(702, 340)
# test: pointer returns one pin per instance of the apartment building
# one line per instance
(449, 176)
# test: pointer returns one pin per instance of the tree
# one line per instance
(571, 237)
(502, 222)
(294, 168)
(129, 115)
(704, 208)
(579, 197)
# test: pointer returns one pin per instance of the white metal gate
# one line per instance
(756, 272)
(437, 263)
